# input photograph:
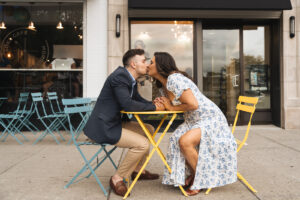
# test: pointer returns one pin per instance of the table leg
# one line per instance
(160, 124)
(155, 148)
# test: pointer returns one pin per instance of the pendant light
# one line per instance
(2, 25)
(59, 25)
(31, 24)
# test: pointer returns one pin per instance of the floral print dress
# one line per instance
(217, 160)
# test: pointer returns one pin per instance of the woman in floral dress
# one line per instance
(202, 150)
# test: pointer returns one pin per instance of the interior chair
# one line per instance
(245, 104)
(81, 108)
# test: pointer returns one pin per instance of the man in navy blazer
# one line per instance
(106, 124)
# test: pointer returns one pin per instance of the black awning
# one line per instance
(211, 4)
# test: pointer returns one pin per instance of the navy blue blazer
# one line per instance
(105, 122)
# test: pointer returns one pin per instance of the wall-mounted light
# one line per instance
(118, 25)
(292, 26)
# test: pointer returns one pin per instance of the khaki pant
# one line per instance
(134, 138)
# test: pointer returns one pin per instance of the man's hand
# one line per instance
(159, 106)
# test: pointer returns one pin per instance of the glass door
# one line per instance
(236, 61)
(221, 68)
(256, 56)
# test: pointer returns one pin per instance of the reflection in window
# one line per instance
(43, 56)
(66, 83)
(221, 68)
(256, 64)
(174, 37)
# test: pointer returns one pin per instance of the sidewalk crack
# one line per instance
(286, 146)
(254, 194)
(20, 161)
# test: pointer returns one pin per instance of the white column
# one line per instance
(95, 47)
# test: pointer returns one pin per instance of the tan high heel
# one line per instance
(188, 181)
(190, 192)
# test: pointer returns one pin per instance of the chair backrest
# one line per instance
(37, 99)
(22, 103)
(79, 106)
(53, 99)
(246, 104)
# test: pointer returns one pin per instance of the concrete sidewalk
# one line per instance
(270, 162)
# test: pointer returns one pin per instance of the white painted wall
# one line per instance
(95, 46)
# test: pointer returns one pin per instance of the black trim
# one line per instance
(275, 73)
(211, 4)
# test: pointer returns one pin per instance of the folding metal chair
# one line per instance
(246, 104)
(87, 101)
(83, 108)
(26, 112)
(54, 103)
(10, 122)
(51, 122)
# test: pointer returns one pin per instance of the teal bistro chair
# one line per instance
(51, 122)
(82, 101)
(81, 108)
(11, 122)
(55, 107)
(26, 111)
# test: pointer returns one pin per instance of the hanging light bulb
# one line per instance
(31, 25)
(59, 25)
(9, 55)
(2, 25)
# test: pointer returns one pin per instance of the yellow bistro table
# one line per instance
(152, 140)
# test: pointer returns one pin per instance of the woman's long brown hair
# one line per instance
(165, 65)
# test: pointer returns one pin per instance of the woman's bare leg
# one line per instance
(187, 143)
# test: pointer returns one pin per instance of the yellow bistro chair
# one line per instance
(246, 104)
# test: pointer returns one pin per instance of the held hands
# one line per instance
(159, 106)
(165, 101)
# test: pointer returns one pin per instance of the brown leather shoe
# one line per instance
(146, 176)
(120, 188)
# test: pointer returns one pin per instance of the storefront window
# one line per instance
(174, 37)
(41, 49)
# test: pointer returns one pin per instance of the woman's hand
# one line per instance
(156, 100)
(166, 102)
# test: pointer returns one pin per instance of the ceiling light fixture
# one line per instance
(2, 25)
(59, 25)
(31, 24)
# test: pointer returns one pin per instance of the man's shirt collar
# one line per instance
(132, 78)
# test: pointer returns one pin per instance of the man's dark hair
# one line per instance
(130, 54)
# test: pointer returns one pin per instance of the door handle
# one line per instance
(234, 80)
